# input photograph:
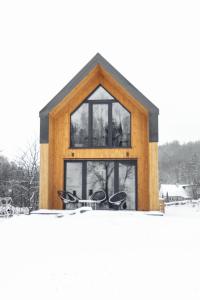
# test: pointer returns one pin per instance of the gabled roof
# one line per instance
(100, 60)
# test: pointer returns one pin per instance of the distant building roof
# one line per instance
(173, 190)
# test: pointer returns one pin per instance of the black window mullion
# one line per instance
(84, 179)
(90, 125)
(65, 175)
(109, 138)
(109, 124)
(101, 101)
(116, 176)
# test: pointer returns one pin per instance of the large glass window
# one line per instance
(101, 121)
(100, 176)
(126, 179)
(100, 125)
(120, 126)
(83, 178)
(79, 127)
(74, 178)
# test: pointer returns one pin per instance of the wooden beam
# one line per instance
(153, 177)
(44, 176)
(81, 91)
(119, 91)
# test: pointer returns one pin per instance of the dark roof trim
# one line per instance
(44, 129)
(98, 59)
(153, 127)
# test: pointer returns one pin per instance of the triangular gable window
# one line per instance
(100, 94)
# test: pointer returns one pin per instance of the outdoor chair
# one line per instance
(68, 198)
(99, 197)
(6, 208)
(118, 200)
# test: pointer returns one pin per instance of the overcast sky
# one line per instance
(154, 44)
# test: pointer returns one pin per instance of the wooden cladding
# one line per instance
(44, 176)
(153, 177)
(58, 149)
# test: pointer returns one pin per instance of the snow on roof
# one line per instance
(173, 190)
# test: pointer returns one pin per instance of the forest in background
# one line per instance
(179, 163)
(19, 179)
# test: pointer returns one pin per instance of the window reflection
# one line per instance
(100, 94)
(100, 125)
(100, 176)
(74, 178)
(83, 178)
(79, 127)
(120, 126)
(127, 182)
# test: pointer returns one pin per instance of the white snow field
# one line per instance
(101, 255)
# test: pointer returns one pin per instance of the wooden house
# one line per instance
(99, 132)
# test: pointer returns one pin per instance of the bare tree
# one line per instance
(101, 178)
(25, 186)
(4, 175)
(128, 173)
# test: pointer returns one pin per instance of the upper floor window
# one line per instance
(101, 121)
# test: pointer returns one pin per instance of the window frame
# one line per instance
(116, 162)
(109, 103)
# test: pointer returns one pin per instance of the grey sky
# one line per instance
(154, 44)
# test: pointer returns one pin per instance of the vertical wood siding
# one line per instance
(59, 142)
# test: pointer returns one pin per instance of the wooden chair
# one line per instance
(118, 200)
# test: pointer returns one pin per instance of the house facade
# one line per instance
(174, 192)
(99, 132)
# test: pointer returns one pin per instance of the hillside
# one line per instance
(179, 163)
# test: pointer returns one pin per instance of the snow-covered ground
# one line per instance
(101, 255)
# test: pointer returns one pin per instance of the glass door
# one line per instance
(73, 178)
(83, 178)
(127, 176)
(100, 176)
